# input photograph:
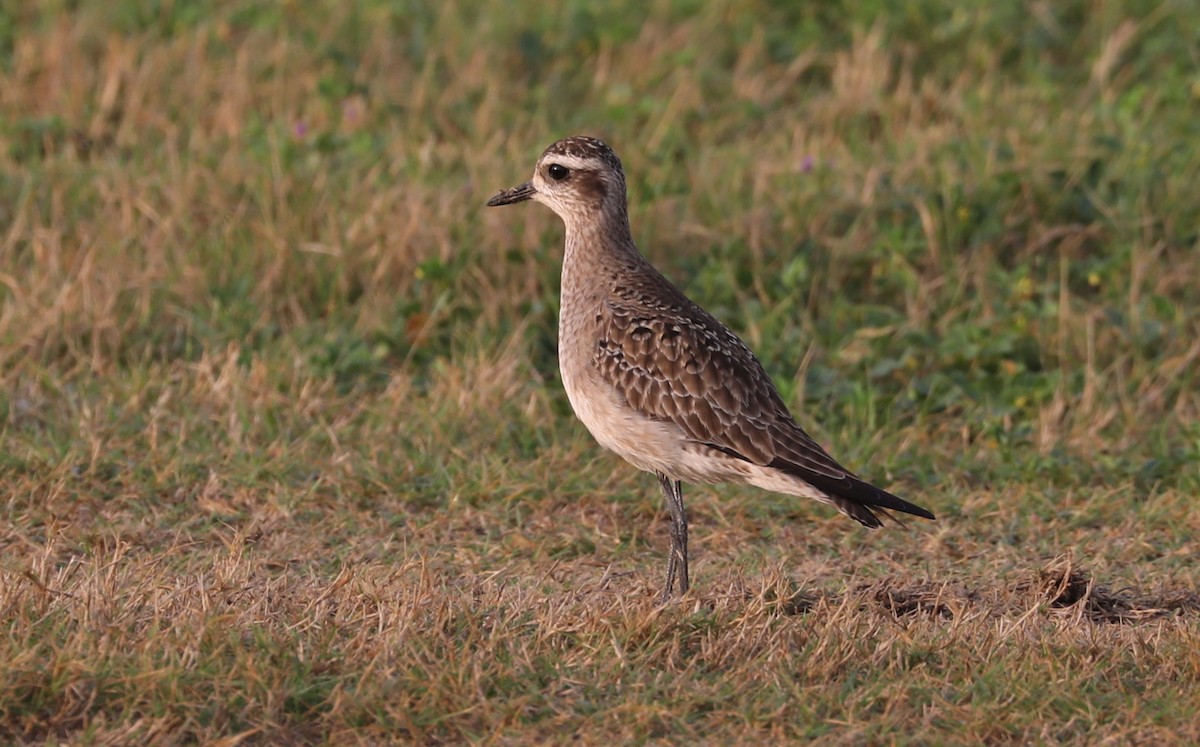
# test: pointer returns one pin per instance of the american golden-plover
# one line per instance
(659, 380)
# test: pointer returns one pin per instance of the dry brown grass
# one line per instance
(284, 458)
(245, 640)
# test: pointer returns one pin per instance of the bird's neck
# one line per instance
(602, 239)
(598, 253)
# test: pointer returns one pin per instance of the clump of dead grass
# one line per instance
(1068, 589)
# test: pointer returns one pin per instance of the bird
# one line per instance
(658, 380)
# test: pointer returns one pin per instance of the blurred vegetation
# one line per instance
(255, 321)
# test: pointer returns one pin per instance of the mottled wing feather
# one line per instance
(673, 361)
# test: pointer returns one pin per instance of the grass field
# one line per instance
(284, 453)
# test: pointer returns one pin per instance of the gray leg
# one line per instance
(677, 562)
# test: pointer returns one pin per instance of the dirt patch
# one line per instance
(940, 600)
(1060, 585)
(937, 599)
(1064, 586)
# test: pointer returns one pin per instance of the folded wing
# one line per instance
(673, 361)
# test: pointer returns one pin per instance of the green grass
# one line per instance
(284, 455)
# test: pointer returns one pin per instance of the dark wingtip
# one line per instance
(866, 493)
(851, 493)
(867, 510)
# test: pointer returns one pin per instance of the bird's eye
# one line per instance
(558, 172)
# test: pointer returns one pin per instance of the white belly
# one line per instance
(650, 445)
(647, 444)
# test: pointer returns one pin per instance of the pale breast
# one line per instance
(647, 442)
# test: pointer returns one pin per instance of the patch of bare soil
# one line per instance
(1065, 586)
